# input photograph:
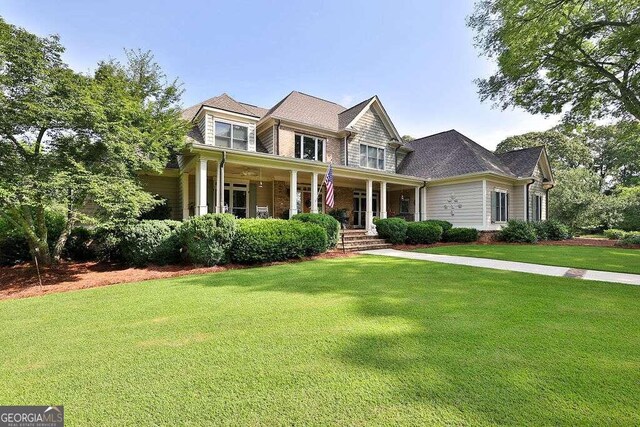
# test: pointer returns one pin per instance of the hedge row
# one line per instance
(624, 238)
(518, 231)
(398, 231)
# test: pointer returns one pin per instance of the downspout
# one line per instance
(277, 144)
(420, 216)
(546, 202)
(527, 198)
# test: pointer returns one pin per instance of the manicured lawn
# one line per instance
(348, 341)
(587, 257)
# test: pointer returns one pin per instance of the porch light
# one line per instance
(260, 185)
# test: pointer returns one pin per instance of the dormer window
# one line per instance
(371, 157)
(232, 136)
(309, 148)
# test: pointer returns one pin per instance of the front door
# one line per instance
(235, 199)
(360, 207)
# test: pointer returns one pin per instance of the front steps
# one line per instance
(357, 240)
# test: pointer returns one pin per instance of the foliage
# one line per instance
(341, 215)
(614, 234)
(518, 231)
(79, 246)
(553, 56)
(461, 235)
(266, 240)
(68, 138)
(445, 225)
(161, 210)
(551, 230)
(629, 200)
(14, 247)
(393, 230)
(150, 242)
(329, 223)
(631, 238)
(407, 138)
(207, 238)
(423, 233)
(107, 243)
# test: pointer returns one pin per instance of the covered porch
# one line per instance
(251, 185)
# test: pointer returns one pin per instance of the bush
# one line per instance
(79, 246)
(266, 240)
(160, 211)
(518, 231)
(107, 242)
(393, 230)
(445, 225)
(423, 233)
(151, 241)
(615, 234)
(461, 235)
(341, 215)
(551, 230)
(329, 223)
(631, 238)
(207, 239)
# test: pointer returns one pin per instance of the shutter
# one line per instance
(252, 138)
(494, 203)
(506, 197)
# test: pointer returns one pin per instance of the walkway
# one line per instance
(522, 267)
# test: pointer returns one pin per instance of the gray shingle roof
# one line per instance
(224, 102)
(347, 116)
(307, 109)
(448, 154)
(522, 162)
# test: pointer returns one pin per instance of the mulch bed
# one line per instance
(21, 281)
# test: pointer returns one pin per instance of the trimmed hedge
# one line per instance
(328, 222)
(518, 231)
(393, 230)
(423, 233)
(445, 225)
(631, 238)
(207, 239)
(461, 235)
(267, 240)
(615, 234)
(150, 241)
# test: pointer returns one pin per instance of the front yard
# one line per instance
(337, 341)
(586, 257)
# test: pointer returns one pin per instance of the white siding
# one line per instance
(469, 196)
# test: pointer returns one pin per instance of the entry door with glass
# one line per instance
(235, 199)
(360, 207)
(304, 199)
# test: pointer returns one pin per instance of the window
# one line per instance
(404, 205)
(537, 207)
(232, 136)
(309, 148)
(371, 157)
(500, 206)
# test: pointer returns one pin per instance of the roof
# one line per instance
(224, 102)
(448, 154)
(347, 116)
(307, 109)
(522, 162)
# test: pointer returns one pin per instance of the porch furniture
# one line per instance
(262, 212)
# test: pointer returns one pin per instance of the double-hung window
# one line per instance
(501, 206)
(309, 148)
(371, 157)
(232, 136)
(537, 207)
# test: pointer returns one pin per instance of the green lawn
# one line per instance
(587, 257)
(351, 341)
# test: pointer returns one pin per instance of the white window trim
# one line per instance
(315, 148)
(384, 157)
(535, 213)
(506, 211)
(232, 123)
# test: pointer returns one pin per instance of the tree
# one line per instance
(407, 138)
(616, 152)
(578, 56)
(564, 151)
(68, 138)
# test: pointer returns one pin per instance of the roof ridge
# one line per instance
(358, 104)
(523, 149)
(316, 97)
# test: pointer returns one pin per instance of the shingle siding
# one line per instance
(371, 131)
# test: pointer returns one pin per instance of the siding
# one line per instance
(469, 195)
(267, 138)
(516, 201)
(493, 186)
(371, 131)
(537, 188)
(207, 127)
(333, 148)
(167, 187)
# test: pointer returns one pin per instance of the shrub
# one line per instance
(329, 223)
(393, 230)
(461, 235)
(207, 239)
(160, 211)
(341, 215)
(151, 241)
(551, 230)
(615, 234)
(107, 242)
(631, 238)
(518, 231)
(79, 246)
(540, 228)
(445, 225)
(423, 233)
(266, 240)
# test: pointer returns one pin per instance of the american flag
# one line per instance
(328, 181)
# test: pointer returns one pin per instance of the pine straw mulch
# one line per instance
(21, 281)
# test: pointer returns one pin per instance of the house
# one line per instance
(254, 161)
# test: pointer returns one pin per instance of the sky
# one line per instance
(417, 56)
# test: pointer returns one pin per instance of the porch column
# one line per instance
(369, 212)
(383, 199)
(416, 204)
(220, 188)
(314, 192)
(293, 193)
(201, 187)
(423, 205)
(184, 190)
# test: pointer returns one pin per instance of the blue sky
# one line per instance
(417, 56)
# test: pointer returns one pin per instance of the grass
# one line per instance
(586, 257)
(351, 341)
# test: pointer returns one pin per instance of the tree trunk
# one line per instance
(40, 251)
(62, 240)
